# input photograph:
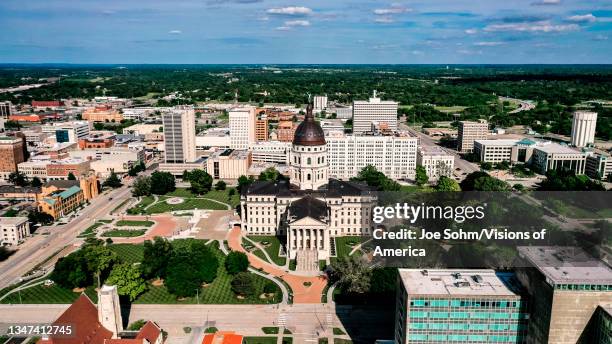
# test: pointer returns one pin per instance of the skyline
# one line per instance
(306, 32)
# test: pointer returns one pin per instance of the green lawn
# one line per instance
(130, 223)
(259, 340)
(344, 245)
(188, 204)
(139, 208)
(270, 330)
(342, 341)
(272, 247)
(128, 253)
(218, 292)
(221, 195)
(91, 230)
(118, 233)
(48, 295)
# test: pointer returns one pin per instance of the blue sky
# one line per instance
(306, 31)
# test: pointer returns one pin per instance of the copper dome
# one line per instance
(309, 132)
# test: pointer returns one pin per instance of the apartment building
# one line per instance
(394, 155)
(436, 161)
(468, 132)
(374, 112)
(456, 305)
(13, 230)
(242, 127)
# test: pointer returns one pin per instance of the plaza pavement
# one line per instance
(301, 293)
(165, 226)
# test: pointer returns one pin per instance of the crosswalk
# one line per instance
(282, 319)
(330, 320)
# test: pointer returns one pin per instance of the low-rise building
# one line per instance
(25, 193)
(59, 198)
(456, 305)
(229, 164)
(286, 131)
(213, 138)
(436, 161)
(177, 169)
(271, 151)
(13, 230)
(68, 131)
(97, 139)
(143, 129)
(102, 114)
(553, 156)
(599, 165)
(50, 169)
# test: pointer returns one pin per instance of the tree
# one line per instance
(36, 182)
(490, 184)
(155, 258)
(244, 182)
(185, 176)
(71, 176)
(446, 184)
(271, 174)
(141, 186)
(421, 176)
(4, 253)
(566, 180)
(487, 166)
(236, 262)
(162, 183)
(376, 179)
(182, 279)
(221, 185)
(17, 178)
(201, 181)
(112, 181)
(71, 271)
(128, 279)
(351, 273)
(384, 280)
(38, 217)
(192, 264)
(99, 260)
(243, 284)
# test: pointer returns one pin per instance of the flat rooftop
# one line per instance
(555, 148)
(459, 282)
(12, 220)
(500, 142)
(567, 265)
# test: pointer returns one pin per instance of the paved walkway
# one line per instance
(301, 293)
(165, 226)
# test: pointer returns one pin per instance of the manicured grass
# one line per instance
(218, 292)
(323, 341)
(188, 204)
(90, 231)
(259, 340)
(338, 331)
(344, 245)
(211, 330)
(130, 223)
(270, 330)
(117, 233)
(287, 340)
(260, 254)
(272, 247)
(48, 295)
(139, 208)
(287, 331)
(128, 253)
(322, 264)
(342, 341)
(218, 195)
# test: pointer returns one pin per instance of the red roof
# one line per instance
(82, 315)
(150, 331)
(46, 103)
(222, 337)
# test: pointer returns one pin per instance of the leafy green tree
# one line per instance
(446, 184)
(270, 174)
(383, 280)
(490, 184)
(112, 181)
(38, 217)
(162, 183)
(244, 182)
(376, 179)
(141, 186)
(421, 176)
(155, 258)
(487, 166)
(71, 176)
(201, 181)
(128, 279)
(566, 180)
(182, 279)
(137, 325)
(72, 271)
(236, 262)
(243, 284)
(17, 178)
(36, 182)
(351, 273)
(4, 253)
(185, 176)
(99, 260)
(221, 185)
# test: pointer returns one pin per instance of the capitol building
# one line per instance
(310, 209)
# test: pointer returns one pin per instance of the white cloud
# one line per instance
(471, 31)
(384, 20)
(601, 38)
(290, 11)
(175, 32)
(291, 23)
(585, 18)
(488, 44)
(392, 10)
(546, 3)
(283, 28)
(540, 26)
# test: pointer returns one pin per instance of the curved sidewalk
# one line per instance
(301, 293)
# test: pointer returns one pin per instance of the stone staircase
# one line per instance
(307, 260)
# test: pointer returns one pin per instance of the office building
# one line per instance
(565, 285)
(553, 156)
(599, 330)
(6, 110)
(342, 112)
(11, 154)
(394, 155)
(436, 161)
(462, 306)
(583, 128)
(374, 112)
(320, 103)
(102, 114)
(13, 230)
(468, 132)
(179, 135)
(242, 127)
(599, 165)
(98, 139)
(286, 131)
(261, 128)
(312, 211)
(229, 164)
(45, 168)
(213, 138)
(68, 131)
(271, 151)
